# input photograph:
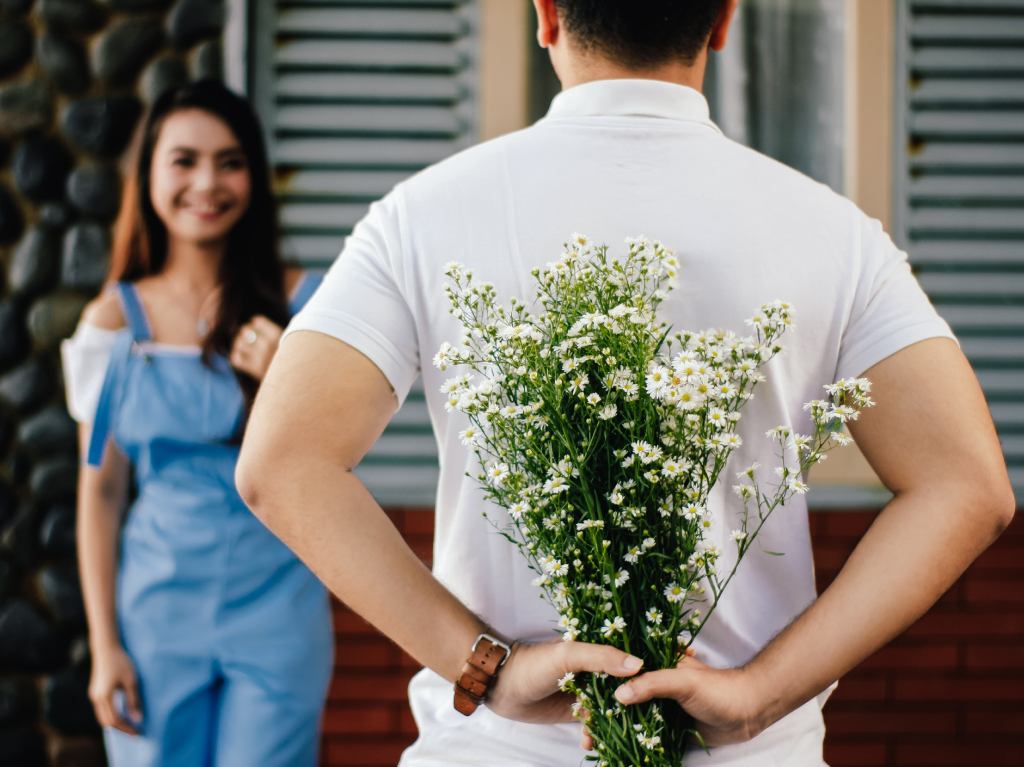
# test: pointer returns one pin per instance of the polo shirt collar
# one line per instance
(636, 98)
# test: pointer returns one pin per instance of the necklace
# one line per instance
(203, 323)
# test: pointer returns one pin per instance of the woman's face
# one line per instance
(199, 181)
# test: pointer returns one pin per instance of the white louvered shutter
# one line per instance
(959, 186)
(356, 96)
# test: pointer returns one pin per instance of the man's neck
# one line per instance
(596, 68)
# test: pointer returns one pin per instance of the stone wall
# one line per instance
(75, 77)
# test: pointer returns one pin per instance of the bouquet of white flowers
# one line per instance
(602, 434)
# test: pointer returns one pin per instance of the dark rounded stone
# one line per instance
(131, 6)
(209, 61)
(84, 751)
(55, 215)
(66, 705)
(53, 318)
(102, 126)
(62, 593)
(54, 480)
(18, 466)
(13, 336)
(124, 48)
(27, 386)
(160, 76)
(15, 7)
(23, 746)
(41, 165)
(8, 575)
(12, 222)
(95, 190)
(21, 540)
(6, 433)
(15, 46)
(25, 107)
(8, 503)
(49, 431)
(57, 531)
(65, 63)
(193, 20)
(28, 642)
(86, 256)
(72, 15)
(17, 703)
(33, 267)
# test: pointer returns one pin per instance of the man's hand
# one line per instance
(527, 688)
(951, 499)
(721, 701)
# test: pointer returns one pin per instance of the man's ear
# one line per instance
(547, 22)
(720, 31)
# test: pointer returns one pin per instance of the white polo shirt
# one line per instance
(614, 159)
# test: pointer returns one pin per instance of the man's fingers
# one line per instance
(586, 742)
(668, 683)
(580, 656)
(690, 659)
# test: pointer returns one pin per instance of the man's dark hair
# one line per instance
(639, 34)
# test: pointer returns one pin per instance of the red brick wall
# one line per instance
(948, 693)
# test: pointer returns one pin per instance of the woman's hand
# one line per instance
(113, 672)
(254, 346)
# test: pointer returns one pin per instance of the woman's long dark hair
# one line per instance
(251, 274)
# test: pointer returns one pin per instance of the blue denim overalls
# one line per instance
(230, 634)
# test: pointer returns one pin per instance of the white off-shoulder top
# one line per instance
(85, 357)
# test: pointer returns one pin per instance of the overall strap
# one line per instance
(307, 286)
(104, 409)
(133, 311)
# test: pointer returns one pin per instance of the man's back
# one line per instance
(615, 159)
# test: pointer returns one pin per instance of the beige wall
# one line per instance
(868, 163)
(506, 32)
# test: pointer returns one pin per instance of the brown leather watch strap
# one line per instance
(479, 673)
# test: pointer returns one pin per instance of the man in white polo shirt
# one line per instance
(626, 149)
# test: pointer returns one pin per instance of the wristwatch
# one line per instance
(486, 658)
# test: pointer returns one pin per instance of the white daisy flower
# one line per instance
(675, 593)
(612, 627)
(497, 473)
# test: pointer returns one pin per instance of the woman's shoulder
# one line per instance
(293, 275)
(104, 311)
(300, 284)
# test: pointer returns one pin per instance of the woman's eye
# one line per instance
(234, 164)
(183, 162)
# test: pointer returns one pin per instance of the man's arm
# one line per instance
(319, 410)
(931, 440)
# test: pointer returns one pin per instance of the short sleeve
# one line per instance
(890, 310)
(85, 357)
(361, 303)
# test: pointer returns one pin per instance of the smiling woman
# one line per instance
(210, 641)
(199, 178)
